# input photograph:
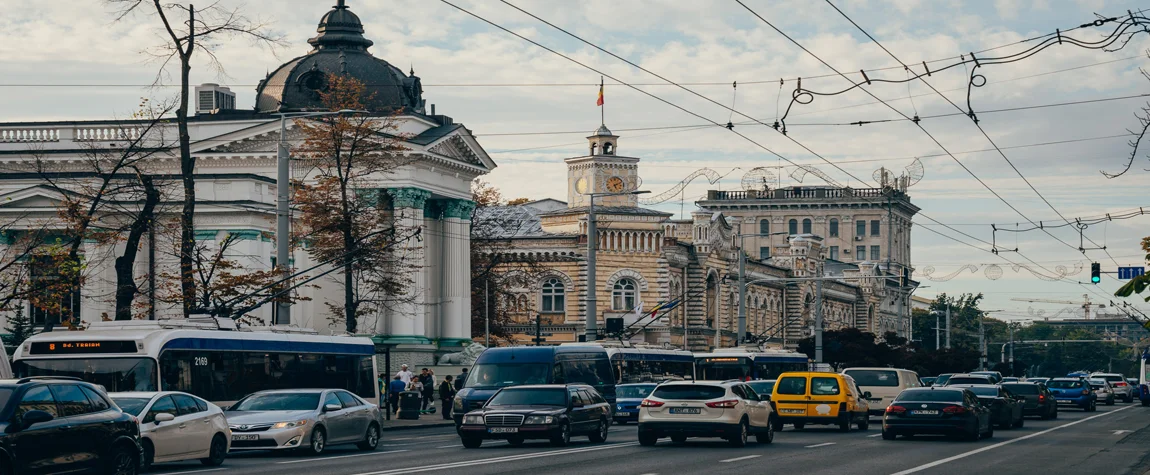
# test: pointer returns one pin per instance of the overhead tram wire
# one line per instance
(976, 124)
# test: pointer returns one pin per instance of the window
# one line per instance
(554, 296)
(874, 227)
(738, 392)
(860, 228)
(874, 377)
(793, 226)
(590, 372)
(860, 253)
(115, 374)
(623, 295)
(824, 386)
(53, 297)
(164, 405)
(834, 228)
(875, 253)
(806, 226)
(688, 392)
(764, 226)
(764, 253)
(587, 398)
(347, 399)
(331, 398)
(834, 253)
(71, 400)
(201, 404)
(229, 376)
(98, 401)
(186, 404)
(792, 385)
(37, 399)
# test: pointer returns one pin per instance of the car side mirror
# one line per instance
(765, 397)
(866, 394)
(35, 417)
(163, 417)
(331, 407)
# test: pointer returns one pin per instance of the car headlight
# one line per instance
(285, 425)
(458, 403)
(539, 420)
(473, 419)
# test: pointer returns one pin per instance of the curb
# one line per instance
(448, 423)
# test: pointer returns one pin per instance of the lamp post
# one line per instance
(592, 241)
(283, 200)
(743, 288)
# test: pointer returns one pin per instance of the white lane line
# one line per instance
(875, 435)
(824, 444)
(1120, 432)
(512, 458)
(449, 446)
(196, 471)
(736, 459)
(341, 457)
(1000, 444)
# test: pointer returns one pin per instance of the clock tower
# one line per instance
(602, 171)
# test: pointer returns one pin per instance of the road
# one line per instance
(1115, 440)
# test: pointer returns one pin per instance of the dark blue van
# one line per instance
(517, 365)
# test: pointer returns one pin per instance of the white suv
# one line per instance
(1122, 388)
(731, 410)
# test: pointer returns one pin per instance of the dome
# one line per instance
(338, 48)
(603, 131)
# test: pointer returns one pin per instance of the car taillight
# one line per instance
(650, 403)
(895, 409)
(1041, 397)
(1120, 385)
(954, 410)
(1085, 392)
(729, 403)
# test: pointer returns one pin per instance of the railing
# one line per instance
(801, 193)
(70, 133)
(105, 133)
(30, 135)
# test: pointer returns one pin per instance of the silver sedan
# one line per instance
(306, 419)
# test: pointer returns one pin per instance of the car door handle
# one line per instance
(182, 426)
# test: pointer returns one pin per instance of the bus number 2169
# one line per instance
(201, 361)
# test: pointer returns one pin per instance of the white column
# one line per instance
(457, 266)
(408, 319)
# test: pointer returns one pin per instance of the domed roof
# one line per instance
(603, 131)
(339, 48)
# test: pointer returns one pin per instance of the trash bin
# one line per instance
(409, 404)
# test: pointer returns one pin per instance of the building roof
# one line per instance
(626, 210)
(507, 222)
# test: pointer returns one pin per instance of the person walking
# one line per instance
(461, 380)
(447, 396)
(395, 387)
(427, 388)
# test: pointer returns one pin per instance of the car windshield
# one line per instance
(762, 387)
(988, 391)
(1022, 388)
(132, 405)
(871, 377)
(1064, 384)
(529, 397)
(114, 374)
(633, 392)
(488, 376)
(278, 402)
(968, 380)
(689, 392)
(932, 395)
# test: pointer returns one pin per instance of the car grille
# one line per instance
(250, 428)
(503, 420)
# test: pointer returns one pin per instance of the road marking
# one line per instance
(736, 459)
(1120, 432)
(512, 458)
(875, 435)
(449, 446)
(1000, 444)
(321, 459)
(824, 444)
(196, 471)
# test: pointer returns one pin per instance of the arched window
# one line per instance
(623, 295)
(793, 226)
(834, 228)
(554, 295)
(806, 226)
(765, 226)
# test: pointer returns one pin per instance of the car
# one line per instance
(995, 376)
(763, 386)
(1038, 400)
(1008, 379)
(57, 425)
(1103, 390)
(1038, 380)
(1006, 408)
(937, 410)
(802, 398)
(941, 379)
(1133, 382)
(627, 399)
(303, 419)
(554, 412)
(883, 384)
(727, 409)
(969, 378)
(928, 381)
(1073, 392)
(1122, 388)
(177, 426)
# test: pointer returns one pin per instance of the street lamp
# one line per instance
(283, 178)
(592, 240)
(743, 288)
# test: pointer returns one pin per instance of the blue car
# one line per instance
(627, 399)
(1073, 392)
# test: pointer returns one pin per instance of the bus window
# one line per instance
(115, 374)
(219, 376)
(595, 372)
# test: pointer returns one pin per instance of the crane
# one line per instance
(1085, 303)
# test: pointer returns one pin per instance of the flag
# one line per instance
(663, 307)
(600, 101)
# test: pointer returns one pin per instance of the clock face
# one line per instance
(581, 186)
(615, 184)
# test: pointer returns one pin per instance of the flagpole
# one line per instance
(602, 108)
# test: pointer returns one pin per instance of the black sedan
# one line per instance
(937, 410)
(1006, 408)
(1037, 400)
(553, 412)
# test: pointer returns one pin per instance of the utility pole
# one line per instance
(981, 344)
(592, 319)
(1011, 349)
(283, 200)
(937, 332)
(819, 320)
(948, 326)
(742, 289)
(538, 329)
(486, 314)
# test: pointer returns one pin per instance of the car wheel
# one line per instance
(1128, 399)
(974, 435)
(1092, 407)
(777, 424)
(1054, 413)
(1021, 421)
(516, 441)
(989, 431)
(767, 435)
(371, 439)
(678, 439)
(149, 455)
(647, 440)
(800, 425)
(564, 436)
(124, 461)
(888, 435)
(599, 436)
(1004, 425)
(864, 424)
(471, 442)
(318, 441)
(1110, 402)
(217, 452)
(739, 439)
(844, 422)
(1145, 402)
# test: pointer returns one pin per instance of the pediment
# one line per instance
(31, 197)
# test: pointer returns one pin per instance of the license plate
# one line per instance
(503, 430)
(793, 411)
(245, 437)
(622, 414)
(924, 413)
(686, 410)
(1064, 401)
(874, 399)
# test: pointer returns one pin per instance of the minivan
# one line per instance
(802, 398)
(884, 384)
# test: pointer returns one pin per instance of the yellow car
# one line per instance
(802, 398)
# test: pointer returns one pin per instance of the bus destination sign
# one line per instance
(81, 347)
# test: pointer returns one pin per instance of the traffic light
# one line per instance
(1095, 273)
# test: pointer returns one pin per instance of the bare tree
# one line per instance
(181, 41)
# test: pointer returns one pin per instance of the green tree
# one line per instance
(19, 328)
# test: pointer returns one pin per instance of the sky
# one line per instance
(530, 108)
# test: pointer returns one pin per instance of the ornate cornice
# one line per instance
(409, 197)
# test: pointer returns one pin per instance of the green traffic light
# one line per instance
(1095, 279)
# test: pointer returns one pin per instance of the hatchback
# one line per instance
(307, 419)
(177, 426)
(547, 411)
(1121, 386)
(1038, 401)
(731, 410)
(1073, 392)
(627, 399)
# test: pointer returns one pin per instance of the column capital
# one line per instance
(409, 197)
(458, 209)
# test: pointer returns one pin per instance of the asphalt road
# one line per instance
(1115, 440)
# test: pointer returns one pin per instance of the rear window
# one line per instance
(792, 385)
(824, 386)
(985, 392)
(968, 380)
(684, 391)
(1064, 384)
(934, 395)
(1111, 378)
(870, 377)
(942, 379)
(1022, 388)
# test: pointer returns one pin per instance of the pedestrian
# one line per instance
(447, 396)
(461, 380)
(427, 379)
(393, 389)
(404, 375)
(415, 385)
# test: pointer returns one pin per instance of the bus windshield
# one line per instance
(489, 376)
(114, 374)
(722, 369)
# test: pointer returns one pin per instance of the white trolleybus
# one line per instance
(737, 363)
(209, 358)
(642, 363)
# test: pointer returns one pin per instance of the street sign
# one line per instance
(1127, 273)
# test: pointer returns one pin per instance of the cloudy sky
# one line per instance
(68, 60)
